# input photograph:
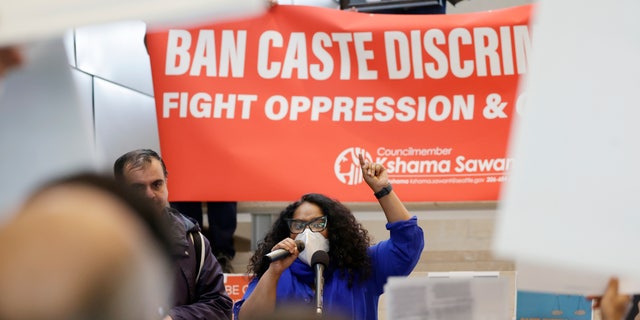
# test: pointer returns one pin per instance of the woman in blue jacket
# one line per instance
(357, 271)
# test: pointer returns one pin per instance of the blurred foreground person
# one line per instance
(82, 248)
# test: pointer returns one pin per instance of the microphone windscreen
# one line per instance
(300, 245)
(320, 257)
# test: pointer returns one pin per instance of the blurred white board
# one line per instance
(570, 198)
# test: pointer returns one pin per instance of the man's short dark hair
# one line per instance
(136, 159)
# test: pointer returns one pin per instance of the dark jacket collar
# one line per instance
(179, 226)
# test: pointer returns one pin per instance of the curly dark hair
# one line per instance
(348, 240)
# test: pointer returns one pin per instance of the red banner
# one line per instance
(271, 107)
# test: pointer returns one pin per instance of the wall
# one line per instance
(111, 66)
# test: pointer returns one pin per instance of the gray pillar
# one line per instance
(260, 225)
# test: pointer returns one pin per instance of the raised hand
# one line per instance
(374, 174)
(612, 304)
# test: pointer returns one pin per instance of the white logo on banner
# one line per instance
(347, 165)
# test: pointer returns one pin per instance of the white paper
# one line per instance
(549, 278)
(44, 132)
(27, 20)
(571, 196)
(442, 297)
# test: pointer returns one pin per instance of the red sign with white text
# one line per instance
(271, 107)
(236, 285)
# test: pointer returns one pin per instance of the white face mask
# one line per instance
(313, 241)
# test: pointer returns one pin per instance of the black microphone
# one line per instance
(278, 254)
(319, 261)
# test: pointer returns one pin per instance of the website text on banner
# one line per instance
(271, 107)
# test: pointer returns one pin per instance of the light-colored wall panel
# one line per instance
(70, 46)
(43, 132)
(125, 120)
(84, 89)
(115, 52)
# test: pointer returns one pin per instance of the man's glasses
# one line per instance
(315, 225)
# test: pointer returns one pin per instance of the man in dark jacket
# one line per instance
(198, 294)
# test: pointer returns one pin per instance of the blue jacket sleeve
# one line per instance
(398, 255)
(236, 307)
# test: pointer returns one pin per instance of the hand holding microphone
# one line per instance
(279, 254)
